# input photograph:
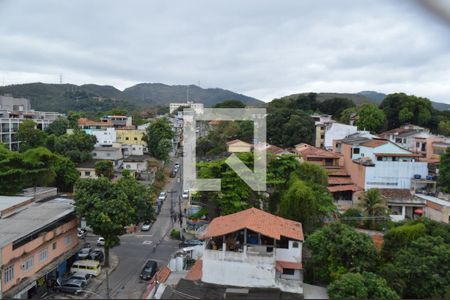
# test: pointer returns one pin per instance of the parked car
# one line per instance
(101, 241)
(190, 243)
(87, 245)
(72, 286)
(146, 226)
(173, 174)
(149, 270)
(84, 253)
(80, 276)
(177, 164)
(162, 196)
(97, 255)
(185, 194)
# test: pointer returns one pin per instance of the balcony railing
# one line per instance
(251, 255)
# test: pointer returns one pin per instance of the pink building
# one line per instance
(37, 239)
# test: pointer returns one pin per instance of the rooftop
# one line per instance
(258, 221)
(32, 217)
(90, 164)
(9, 201)
(237, 141)
(310, 151)
(434, 200)
(136, 158)
(188, 289)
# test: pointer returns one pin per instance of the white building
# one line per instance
(197, 107)
(253, 248)
(379, 163)
(337, 131)
(13, 111)
(105, 137)
(137, 163)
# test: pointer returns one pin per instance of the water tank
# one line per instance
(417, 176)
(180, 263)
(429, 177)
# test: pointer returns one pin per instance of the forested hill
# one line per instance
(362, 97)
(96, 98)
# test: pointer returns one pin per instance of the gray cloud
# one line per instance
(265, 49)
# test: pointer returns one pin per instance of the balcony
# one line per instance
(249, 254)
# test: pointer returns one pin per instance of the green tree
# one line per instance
(312, 173)
(29, 136)
(306, 202)
(58, 127)
(370, 118)
(158, 137)
(346, 114)
(444, 127)
(351, 217)
(361, 286)
(104, 168)
(230, 104)
(77, 146)
(335, 106)
(117, 112)
(373, 206)
(444, 171)
(38, 163)
(400, 237)
(73, 116)
(12, 172)
(66, 174)
(424, 266)
(109, 207)
(338, 249)
(400, 108)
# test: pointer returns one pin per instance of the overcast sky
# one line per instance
(264, 49)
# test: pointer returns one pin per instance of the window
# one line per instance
(127, 138)
(288, 271)
(28, 264)
(9, 274)
(128, 166)
(355, 150)
(135, 138)
(108, 154)
(94, 154)
(68, 240)
(43, 255)
(54, 246)
(295, 245)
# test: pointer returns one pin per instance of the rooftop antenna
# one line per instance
(60, 78)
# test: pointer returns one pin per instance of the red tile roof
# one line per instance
(87, 122)
(341, 188)
(337, 172)
(275, 149)
(398, 154)
(237, 141)
(163, 274)
(332, 180)
(311, 151)
(258, 221)
(374, 143)
(280, 265)
(196, 271)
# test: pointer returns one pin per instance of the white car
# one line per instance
(101, 241)
(185, 194)
(162, 196)
(146, 226)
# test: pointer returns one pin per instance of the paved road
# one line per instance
(135, 249)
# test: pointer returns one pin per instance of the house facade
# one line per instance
(36, 241)
(253, 248)
(236, 146)
(379, 163)
(131, 136)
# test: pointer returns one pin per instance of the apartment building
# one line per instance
(118, 121)
(131, 136)
(379, 163)
(37, 241)
(13, 111)
(197, 107)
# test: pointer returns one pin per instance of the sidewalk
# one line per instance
(96, 282)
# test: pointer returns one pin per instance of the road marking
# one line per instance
(143, 235)
(147, 242)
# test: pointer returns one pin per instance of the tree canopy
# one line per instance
(158, 137)
(444, 171)
(370, 118)
(104, 168)
(335, 106)
(338, 249)
(109, 207)
(230, 104)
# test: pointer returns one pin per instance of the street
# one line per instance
(136, 248)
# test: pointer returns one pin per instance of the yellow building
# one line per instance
(130, 137)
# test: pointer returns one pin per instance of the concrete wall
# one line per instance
(130, 136)
(386, 148)
(337, 131)
(393, 175)
(291, 254)
(135, 166)
(237, 271)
